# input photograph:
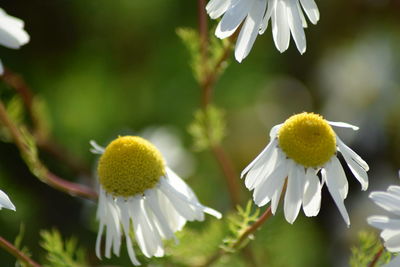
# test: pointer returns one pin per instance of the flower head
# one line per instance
(5, 201)
(286, 16)
(138, 190)
(301, 148)
(390, 226)
(12, 33)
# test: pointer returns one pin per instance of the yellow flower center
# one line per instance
(129, 166)
(307, 139)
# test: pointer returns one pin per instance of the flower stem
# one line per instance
(10, 248)
(44, 141)
(37, 167)
(376, 257)
(237, 245)
(229, 174)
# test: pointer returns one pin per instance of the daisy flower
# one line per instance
(286, 16)
(12, 33)
(301, 148)
(389, 201)
(5, 201)
(139, 192)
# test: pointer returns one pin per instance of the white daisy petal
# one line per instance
(393, 243)
(233, 18)
(395, 189)
(12, 34)
(264, 192)
(96, 148)
(387, 201)
(330, 175)
(384, 222)
(311, 10)
(264, 24)
(280, 26)
(312, 193)
(296, 26)
(294, 193)
(5, 201)
(215, 8)
(249, 30)
(343, 125)
(345, 150)
(263, 168)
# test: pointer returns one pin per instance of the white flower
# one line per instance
(390, 201)
(300, 148)
(12, 33)
(286, 17)
(138, 191)
(5, 202)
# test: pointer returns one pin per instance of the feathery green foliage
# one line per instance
(61, 253)
(238, 224)
(368, 246)
(208, 128)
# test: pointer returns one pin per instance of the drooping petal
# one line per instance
(249, 30)
(215, 8)
(330, 174)
(264, 24)
(233, 18)
(294, 192)
(280, 26)
(5, 201)
(311, 10)
(312, 193)
(264, 192)
(344, 149)
(296, 26)
(263, 167)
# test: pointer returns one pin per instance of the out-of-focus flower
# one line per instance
(300, 148)
(12, 33)
(390, 226)
(286, 16)
(5, 201)
(137, 187)
(166, 140)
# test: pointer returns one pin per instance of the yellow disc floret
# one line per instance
(307, 139)
(129, 166)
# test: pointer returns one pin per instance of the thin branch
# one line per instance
(376, 257)
(237, 245)
(43, 141)
(44, 175)
(229, 174)
(10, 248)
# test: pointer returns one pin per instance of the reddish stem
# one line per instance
(376, 258)
(10, 248)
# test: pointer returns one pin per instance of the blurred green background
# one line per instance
(105, 68)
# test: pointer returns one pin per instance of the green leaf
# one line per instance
(238, 223)
(208, 128)
(368, 246)
(23, 249)
(61, 253)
